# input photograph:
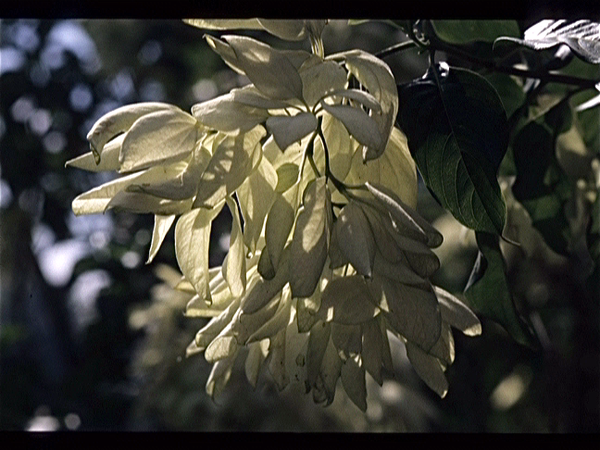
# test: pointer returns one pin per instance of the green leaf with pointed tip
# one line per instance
(212, 329)
(317, 344)
(109, 161)
(279, 223)
(373, 349)
(347, 339)
(98, 199)
(219, 376)
(457, 314)
(261, 291)
(341, 147)
(290, 30)
(252, 97)
(277, 360)
(157, 138)
(458, 134)
(257, 352)
(287, 176)
(489, 293)
(279, 321)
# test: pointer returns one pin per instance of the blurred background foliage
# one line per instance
(93, 339)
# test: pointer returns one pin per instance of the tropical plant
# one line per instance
(317, 159)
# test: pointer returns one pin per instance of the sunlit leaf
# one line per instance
(288, 129)
(310, 239)
(355, 238)
(256, 195)
(347, 300)
(456, 313)
(109, 161)
(162, 225)
(192, 239)
(157, 138)
(232, 162)
(376, 76)
(225, 114)
(320, 78)
(358, 123)
(280, 221)
(394, 169)
(119, 120)
(267, 68)
(234, 268)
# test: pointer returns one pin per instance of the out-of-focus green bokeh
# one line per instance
(92, 339)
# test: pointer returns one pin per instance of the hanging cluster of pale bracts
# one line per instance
(328, 258)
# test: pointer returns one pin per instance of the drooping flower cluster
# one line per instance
(327, 255)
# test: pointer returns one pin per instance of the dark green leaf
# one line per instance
(488, 292)
(465, 31)
(458, 134)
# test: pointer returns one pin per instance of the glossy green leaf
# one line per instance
(457, 132)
